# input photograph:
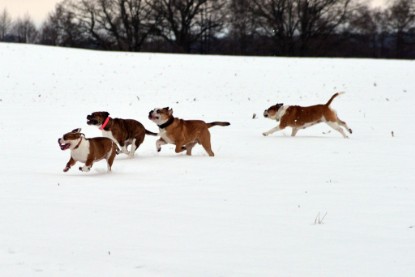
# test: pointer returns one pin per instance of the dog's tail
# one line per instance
(334, 96)
(151, 133)
(218, 123)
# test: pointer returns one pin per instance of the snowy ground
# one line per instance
(249, 211)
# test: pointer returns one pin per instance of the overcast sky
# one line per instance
(39, 9)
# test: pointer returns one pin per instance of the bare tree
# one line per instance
(61, 28)
(318, 20)
(297, 25)
(278, 20)
(24, 30)
(119, 24)
(242, 26)
(5, 24)
(185, 22)
(371, 28)
(401, 18)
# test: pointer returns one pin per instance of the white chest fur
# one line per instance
(108, 134)
(164, 136)
(281, 112)
(81, 153)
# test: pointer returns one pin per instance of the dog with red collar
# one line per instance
(87, 150)
(124, 132)
(298, 117)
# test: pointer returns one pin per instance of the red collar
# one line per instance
(105, 123)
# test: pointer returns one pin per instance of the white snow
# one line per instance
(248, 211)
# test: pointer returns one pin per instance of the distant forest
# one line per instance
(291, 28)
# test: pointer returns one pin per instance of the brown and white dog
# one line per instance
(183, 133)
(298, 117)
(124, 132)
(87, 150)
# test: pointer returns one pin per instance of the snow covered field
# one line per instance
(252, 210)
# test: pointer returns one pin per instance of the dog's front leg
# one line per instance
(273, 130)
(189, 148)
(69, 164)
(87, 166)
(124, 149)
(180, 148)
(84, 168)
(159, 143)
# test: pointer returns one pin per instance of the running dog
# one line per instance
(124, 132)
(298, 117)
(183, 133)
(87, 150)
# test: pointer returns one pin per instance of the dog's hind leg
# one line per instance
(344, 124)
(204, 140)
(294, 131)
(110, 159)
(135, 144)
(337, 127)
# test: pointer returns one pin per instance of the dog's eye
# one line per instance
(157, 111)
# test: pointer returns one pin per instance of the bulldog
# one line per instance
(124, 132)
(298, 117)
(183, 133)
(87, 150)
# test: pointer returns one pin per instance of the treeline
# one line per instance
(324, 28)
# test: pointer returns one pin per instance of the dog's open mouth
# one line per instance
(63, 146)
(90, 120)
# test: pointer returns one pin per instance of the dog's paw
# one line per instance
(66, 169)
(84, 168)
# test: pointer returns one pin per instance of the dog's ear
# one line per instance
(78, 130)
(106, 114)
(170, 112)
(279, 105)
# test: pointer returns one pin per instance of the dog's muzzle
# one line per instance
(151, 116)
(91, 120)
(63, 146)
(265, 113)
